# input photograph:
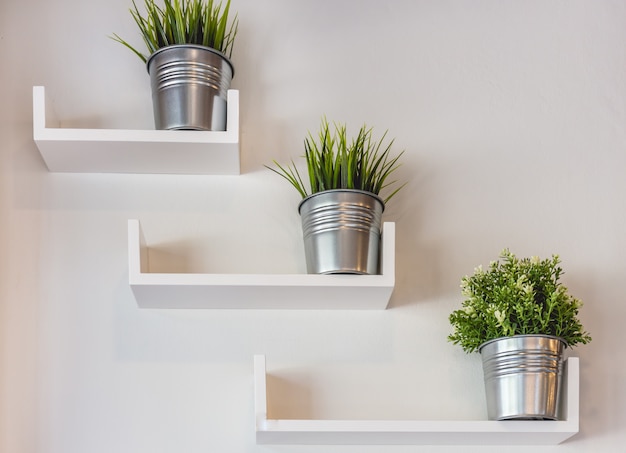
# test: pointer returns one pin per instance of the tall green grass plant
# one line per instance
(201, 22)
(335, 162)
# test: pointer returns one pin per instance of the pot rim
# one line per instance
(359, 191)
(192, 46)
(554, 337)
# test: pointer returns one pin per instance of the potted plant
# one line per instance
(520, 317)
(189, 48)
(341, 212)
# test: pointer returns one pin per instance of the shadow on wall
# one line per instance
(418, 260)
(289, 398)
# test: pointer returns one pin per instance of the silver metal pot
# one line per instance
(189, 87)
(523, 376)
(341, 230)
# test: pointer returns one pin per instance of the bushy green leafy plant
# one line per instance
(516, 297)
(201, 22)
(334, 162)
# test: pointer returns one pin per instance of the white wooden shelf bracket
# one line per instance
(259, 291)
(136, 151)
(418, 432)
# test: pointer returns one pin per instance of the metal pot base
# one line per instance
(341, 231)
(189, 87)
(523, 376)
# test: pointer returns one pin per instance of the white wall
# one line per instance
(513, 119)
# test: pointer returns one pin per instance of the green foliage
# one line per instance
(516, 297)
(334, 162)
(201, 22)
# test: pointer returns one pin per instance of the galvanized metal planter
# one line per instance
(523, 376)
(189, 87)
(341, 230)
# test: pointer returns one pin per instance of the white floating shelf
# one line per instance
(259, 291)
(418, 432)
(136, 151)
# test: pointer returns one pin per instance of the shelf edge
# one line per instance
(46, 126)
